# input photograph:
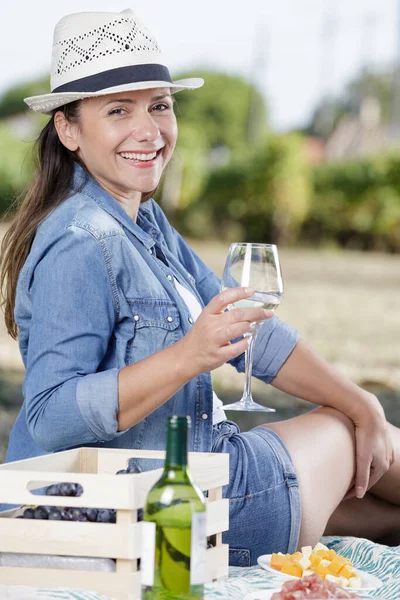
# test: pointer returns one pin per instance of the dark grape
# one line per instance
(40, 513)
(78, 489)
(140, 514)
(29, 513)
(52, 490)
(65, 514)
(66, 489)
(75, 513)
(91, 514)
(104, 515)
(133, 468)
(122, 472)
(55, 515)
(82, 518)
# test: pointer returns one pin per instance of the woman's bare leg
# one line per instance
(322, 446)
(388, 486)
(370, 517)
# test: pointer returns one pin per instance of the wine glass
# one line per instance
(255, 266)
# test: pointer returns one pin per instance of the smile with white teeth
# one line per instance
(138, 156)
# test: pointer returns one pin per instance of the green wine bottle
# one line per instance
(174, 526)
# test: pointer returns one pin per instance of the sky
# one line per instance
(295, 51)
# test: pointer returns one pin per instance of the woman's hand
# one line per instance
(208, 344)
(374, 450)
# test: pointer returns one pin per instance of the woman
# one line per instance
(120, 323)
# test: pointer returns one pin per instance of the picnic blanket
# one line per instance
(381, 561)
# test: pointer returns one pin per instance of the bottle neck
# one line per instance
(177, 449)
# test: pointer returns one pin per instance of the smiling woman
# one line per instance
(124, 140)
(119, 322)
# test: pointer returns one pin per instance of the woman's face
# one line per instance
(125, 140)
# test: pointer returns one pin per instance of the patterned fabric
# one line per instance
(381, 561)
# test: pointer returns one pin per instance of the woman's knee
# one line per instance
(322, 446)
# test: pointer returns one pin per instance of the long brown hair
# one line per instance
(50, 186)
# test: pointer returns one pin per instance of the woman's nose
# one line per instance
(145, 128)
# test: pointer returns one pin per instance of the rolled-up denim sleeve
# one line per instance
(69, 400)
(274, 344)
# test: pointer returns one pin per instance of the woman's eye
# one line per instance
(161, 107)
(117, 111)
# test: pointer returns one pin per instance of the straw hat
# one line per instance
(98, 53)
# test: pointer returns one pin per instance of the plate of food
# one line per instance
(322, 561)
(311, 586)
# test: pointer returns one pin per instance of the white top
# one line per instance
(195, 309)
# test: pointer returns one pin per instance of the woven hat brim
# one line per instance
(46, 103)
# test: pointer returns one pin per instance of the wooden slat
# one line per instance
(100, 491)
(209, 470)
(88, 460)
(103, 540)
(67, 461)
(217, 562)
(217, 518)
(216, 495)
(119, 586)
(126, 518)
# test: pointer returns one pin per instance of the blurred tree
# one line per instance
(378, 84)
(16, 166)
(230, 111)
(12, 101)
(263, 194)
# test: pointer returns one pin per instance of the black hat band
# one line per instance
(116, 77)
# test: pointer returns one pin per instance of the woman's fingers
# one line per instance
(374, 458)
(208, 343)
(362, 476)
(229, 296)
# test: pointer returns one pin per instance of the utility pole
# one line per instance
(329, 32)
(258, 74)
(396, 75)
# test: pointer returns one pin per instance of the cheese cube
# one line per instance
(325, 562)
(320, 546)
(344, 582)
(304, 563)
(306, 550)
(355, 582)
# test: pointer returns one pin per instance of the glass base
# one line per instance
(247, 405)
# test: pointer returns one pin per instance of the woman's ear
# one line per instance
(67, 131)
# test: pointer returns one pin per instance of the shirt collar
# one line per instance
(145, 229)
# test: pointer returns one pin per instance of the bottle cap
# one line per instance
(176, 422)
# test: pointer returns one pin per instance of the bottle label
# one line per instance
(198, 549)
(148, 552)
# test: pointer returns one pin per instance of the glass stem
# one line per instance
(249, 365)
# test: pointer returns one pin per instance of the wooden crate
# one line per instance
(94, 469)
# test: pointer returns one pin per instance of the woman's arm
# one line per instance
(73, 312)
(145, 385)
(307, 375)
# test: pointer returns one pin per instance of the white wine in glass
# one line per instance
(255, 266)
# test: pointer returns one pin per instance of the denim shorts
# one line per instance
(264, 499)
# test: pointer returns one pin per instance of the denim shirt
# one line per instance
(95, 294)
